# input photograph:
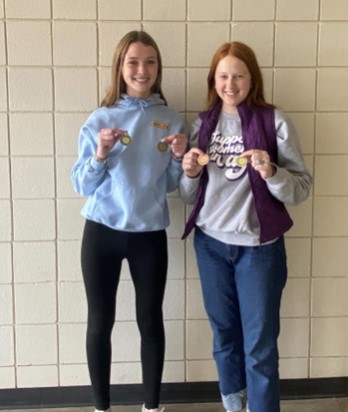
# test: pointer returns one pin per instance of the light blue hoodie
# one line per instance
(128, 191)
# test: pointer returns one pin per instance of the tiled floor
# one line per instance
(317, 405)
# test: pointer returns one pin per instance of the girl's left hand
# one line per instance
(261, 162)
(178, 143)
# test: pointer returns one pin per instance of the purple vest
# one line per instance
(258, 131)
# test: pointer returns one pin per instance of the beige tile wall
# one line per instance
(54, 66)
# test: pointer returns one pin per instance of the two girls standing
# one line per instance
(130, 153)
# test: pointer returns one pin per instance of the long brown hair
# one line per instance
(118, 86)
(244, 53)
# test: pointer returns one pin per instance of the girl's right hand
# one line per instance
(107, 139)
(190, 164)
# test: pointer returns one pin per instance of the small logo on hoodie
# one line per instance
(160, 125)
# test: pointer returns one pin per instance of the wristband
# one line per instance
(177, 159)
(100, 159)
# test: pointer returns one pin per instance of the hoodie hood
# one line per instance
(134, 103)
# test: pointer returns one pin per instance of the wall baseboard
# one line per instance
(187, 392)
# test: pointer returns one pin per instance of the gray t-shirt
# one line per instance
(228, 213)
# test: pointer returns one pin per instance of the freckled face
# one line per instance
(140, 70)
(232, 82)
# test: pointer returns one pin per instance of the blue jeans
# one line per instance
(242, 288)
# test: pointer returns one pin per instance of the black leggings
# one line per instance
(103, 250)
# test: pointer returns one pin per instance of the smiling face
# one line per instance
(140, 70)
(232, 82)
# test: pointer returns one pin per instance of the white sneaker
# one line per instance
(152, 410)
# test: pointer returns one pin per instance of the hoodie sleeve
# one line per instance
(292, 182)
(188, 185)
(174, 170)
(87, 173)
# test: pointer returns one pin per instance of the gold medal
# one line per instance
(203, 159)
(125, 139)
(241, 161)
(162, 146)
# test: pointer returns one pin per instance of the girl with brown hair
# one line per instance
(130, 152)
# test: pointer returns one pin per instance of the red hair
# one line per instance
(244, 53)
